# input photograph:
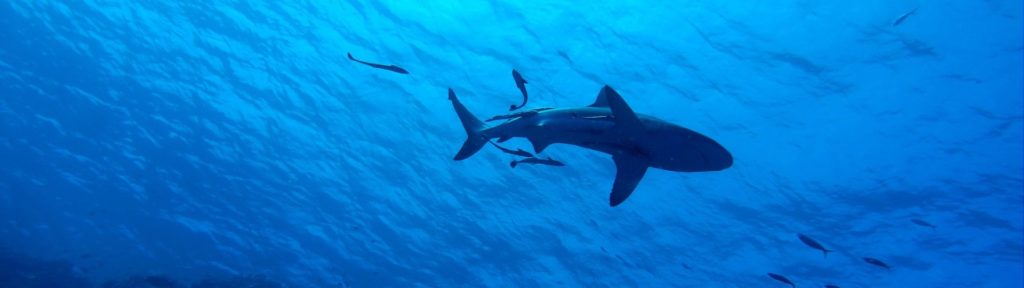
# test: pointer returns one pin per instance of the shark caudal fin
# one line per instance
(474, 140)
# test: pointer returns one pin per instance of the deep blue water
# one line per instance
(200, 141)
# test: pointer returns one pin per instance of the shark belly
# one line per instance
(664, 145)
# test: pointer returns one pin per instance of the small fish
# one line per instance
(566, 56)
(920, 222)
(831, 286)
(687, 266)
(517, 152)
(876, 262)
(813, 244)
(521, 84)
(903, 17)
(535, 160)
(782, 279)
(391, 68)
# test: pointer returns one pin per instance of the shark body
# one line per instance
(636, 142)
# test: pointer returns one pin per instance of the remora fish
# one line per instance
(391, 68)
(517, 152)
(535, 160)
(521, 84)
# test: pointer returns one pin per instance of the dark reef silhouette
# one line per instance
(23, 271)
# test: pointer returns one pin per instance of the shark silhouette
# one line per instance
(636, 142)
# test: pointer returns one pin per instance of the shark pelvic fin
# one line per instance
(539, 145)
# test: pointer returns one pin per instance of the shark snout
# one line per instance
(717, 157)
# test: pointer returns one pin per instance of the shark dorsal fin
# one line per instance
(625, 118)
(602, 99)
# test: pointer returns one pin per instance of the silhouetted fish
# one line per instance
(520, 114)
(782, 279)
(923, 223)
(566, 56)
(534, 160)
(517, 152)
(521, 84)
(391, 68)
(876, 262)
(831, 286)
(813, 244)
(903, 17)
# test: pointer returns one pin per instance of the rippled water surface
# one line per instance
(205, 143)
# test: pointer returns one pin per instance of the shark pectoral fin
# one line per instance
(629, 170)
(502, 139)
(625, 118)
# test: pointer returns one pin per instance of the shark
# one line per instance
(636, 142)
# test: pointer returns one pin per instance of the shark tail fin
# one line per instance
(474, 140)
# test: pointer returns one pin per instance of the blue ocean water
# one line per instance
(227, 143)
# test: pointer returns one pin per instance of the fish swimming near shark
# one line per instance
(782, 279)
(517, 152)
(876, 262)
(903, 18)
(519, 114)
(635, 142)
(391, 68)
(535, 160)
(813, 244)
(521, 84)
(922, 223)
